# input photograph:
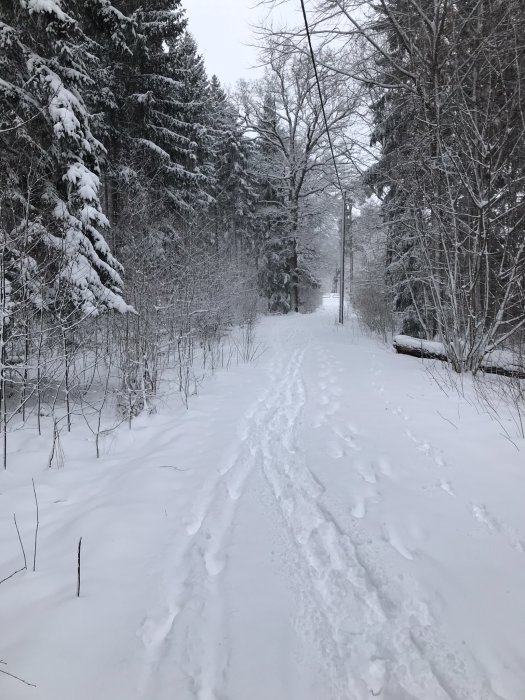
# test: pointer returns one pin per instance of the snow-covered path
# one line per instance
(327, 524)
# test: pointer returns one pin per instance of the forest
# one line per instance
(262, 350)
(145, 211)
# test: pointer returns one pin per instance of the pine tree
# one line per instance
(232, 186)
(54, 250)
(272, 216)
(151, 153)
(400, 132)
(191, 105)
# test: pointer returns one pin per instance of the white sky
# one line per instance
(222, 30)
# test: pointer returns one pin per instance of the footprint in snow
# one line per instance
(347, 437)
(393, 538)
(335, 450)
(481, 514)
(335, 405)
(399, 412)
(445, 485)
(366, 473)
(214, 562)
(385, 468)
(193, 526)
(359, 509)
(156, 627)
(376, 676)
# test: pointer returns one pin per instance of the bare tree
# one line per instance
(284, 109)
(446, 83)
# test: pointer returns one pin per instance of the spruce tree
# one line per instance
(272, 224)
(232, 184)
(150, 152)
(52, 223)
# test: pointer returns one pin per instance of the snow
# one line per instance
(154, 147)
(504, 359)
(430, 346)
(63, 107)
(325, 523)
(46, 6)
(83, 262)
(85, 181)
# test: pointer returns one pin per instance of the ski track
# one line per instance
(373, 646)
(203, 556)
(309, 530)
(365, 635)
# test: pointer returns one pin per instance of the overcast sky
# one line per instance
(222, 30)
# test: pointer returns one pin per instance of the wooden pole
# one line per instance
(348, 218)
(342, 265)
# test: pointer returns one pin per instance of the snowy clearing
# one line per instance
(325, 524)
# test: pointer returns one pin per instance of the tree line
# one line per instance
(143, 210)
(445, 109)
(440, 244)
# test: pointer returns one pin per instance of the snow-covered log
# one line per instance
(406, 345)
(502, 362)
(505, 363)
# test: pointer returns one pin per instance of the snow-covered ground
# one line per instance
(324, 524)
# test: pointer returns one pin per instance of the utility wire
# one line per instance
(343, 193)
(314, 64)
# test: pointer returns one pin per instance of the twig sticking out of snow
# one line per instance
(20, 540)
(36, 528)
(78, 567)
(57, 453)
(23, 568)
(12, 675)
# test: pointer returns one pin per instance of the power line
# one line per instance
(343, 193)
(314, 64)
